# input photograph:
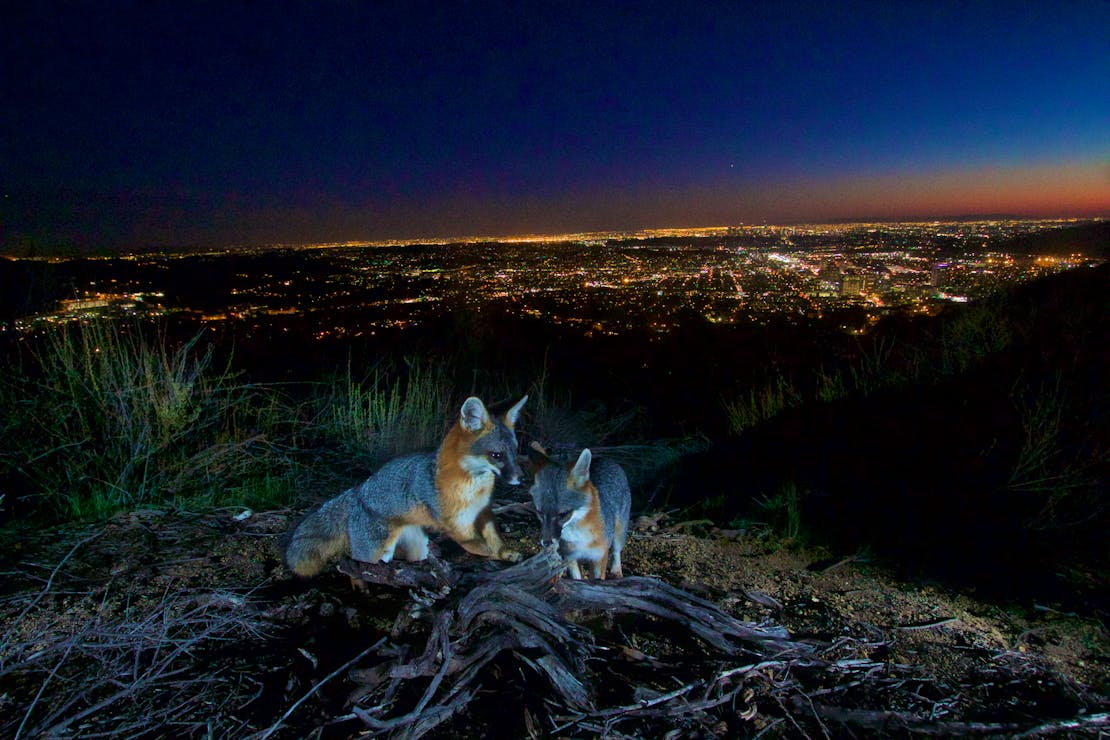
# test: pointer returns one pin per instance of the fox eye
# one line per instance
(494, 455)
(565, 514)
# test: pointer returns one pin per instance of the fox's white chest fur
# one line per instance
(578, 540)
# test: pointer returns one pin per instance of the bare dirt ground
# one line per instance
(160, 624)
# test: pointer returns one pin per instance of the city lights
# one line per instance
(603, 283)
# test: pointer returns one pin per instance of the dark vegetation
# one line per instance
(971, 447)
(974, 446)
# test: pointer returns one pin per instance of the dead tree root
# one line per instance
(549, 656)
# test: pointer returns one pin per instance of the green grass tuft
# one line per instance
(398, 408)
(106, 418)
(746, 410)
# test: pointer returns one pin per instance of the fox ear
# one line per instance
(536, 459)
(473, 416)
(581, 470)
(514, 413)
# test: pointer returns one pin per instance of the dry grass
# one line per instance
(93, 663)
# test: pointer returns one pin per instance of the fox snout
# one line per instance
(551, 529)
(511, 471)
(512, 480)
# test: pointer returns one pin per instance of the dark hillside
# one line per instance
(1088, 239)
(28, 286)
(994, 477)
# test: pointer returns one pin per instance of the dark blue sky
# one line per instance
(173, 123)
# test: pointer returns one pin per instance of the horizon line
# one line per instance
(542, 237)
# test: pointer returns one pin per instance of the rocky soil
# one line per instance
(160, 623)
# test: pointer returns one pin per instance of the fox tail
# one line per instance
(319, 537)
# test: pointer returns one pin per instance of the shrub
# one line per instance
(964, 340)
(399, 407)
(106, 418)
(760, 404)
(785, 511)
(974, 333)
(1059, 479)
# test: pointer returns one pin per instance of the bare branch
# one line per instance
(274, 727)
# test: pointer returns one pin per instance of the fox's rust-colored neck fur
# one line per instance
(457, 486)
(592, 521)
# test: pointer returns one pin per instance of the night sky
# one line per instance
(219, 124)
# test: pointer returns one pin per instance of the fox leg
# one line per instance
(488, 541)
(482, 546)
(597, 567)
(412, 543)
(574, 570)
(386, 551)
(375, 539)
(615, 567)
(475, 546)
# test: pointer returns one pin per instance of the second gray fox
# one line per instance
(448, 491)
(584, 507)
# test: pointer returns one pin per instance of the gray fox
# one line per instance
(584, 507)
(447, 491)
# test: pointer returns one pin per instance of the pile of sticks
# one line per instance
(741, 678)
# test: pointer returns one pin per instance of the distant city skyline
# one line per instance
(609, 285)
(132, 126)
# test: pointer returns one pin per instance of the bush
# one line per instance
(963, 340)
(399, 407)
(760, 404)
(105, 418)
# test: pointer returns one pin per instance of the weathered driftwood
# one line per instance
(523, 609)
(535, 582)
(904, 722)
(481, 611)
(639, 595)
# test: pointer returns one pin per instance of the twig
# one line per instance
(838, 563)
(1043, 608)
(42, 688)
(274, 727)
(773, 724)
(159, 669)
(926, 625)
(643, 704)
(750, 668)
(1079, 723)
(686, 526)
(443, 652)
(888, 721)
(50, 581)
(520, 507)
(758, 597)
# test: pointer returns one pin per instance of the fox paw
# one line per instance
(510, 555)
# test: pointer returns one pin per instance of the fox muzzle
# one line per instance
(551, 529)
(511, 472)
